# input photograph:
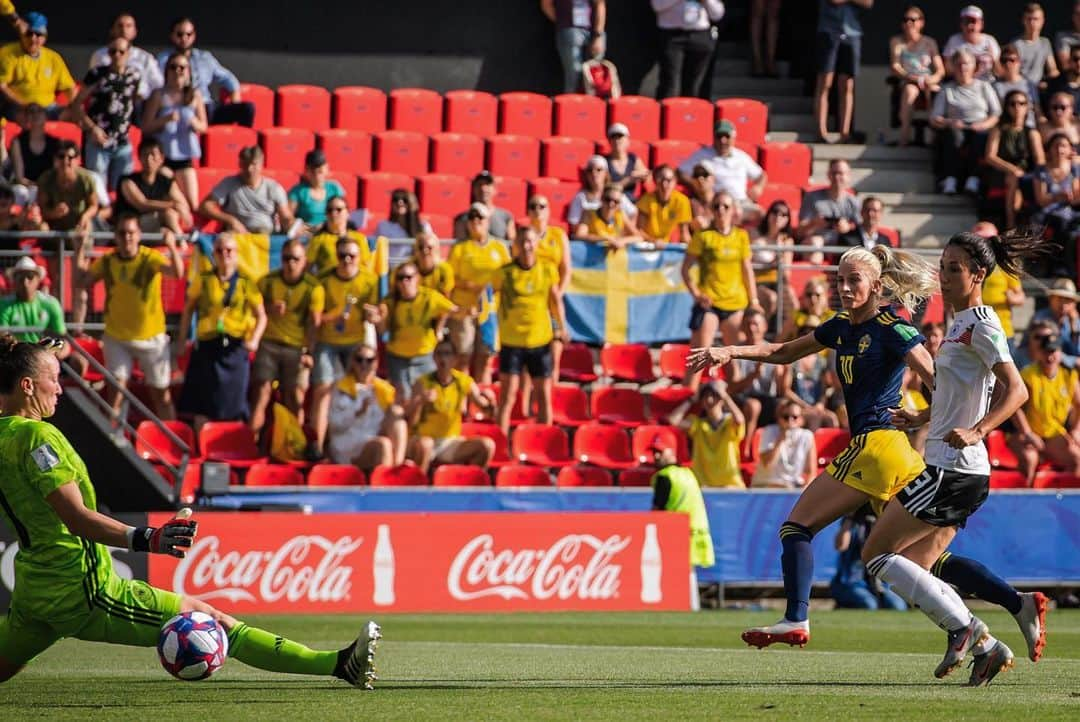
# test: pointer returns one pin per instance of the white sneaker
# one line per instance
(971, 185)
(1032, 622)
(948, 186)
(790, 633)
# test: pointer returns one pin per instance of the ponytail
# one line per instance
(907, 278)
(1008, 250)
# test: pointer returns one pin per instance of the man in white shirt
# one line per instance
(688, 37)
(982, 46)
(149, 71)
(732, 168)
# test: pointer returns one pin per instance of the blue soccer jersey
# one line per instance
(870, 364)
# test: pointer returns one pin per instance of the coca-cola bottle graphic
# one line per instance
(651, 567)
(383, 568)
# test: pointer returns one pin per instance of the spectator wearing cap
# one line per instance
(579, 35)
(867, 233)
(1065, 41)
(1061, 311)
(828, 213)
(152, 195)
(715, 435)
(625, 169)
(787, 454)
(839, 51)
(500, 220)
(1036, 53)
(176, 114)
(687, 39)
(309, 197)
(150, 77)
(963, 113)
(249, 202)
(28, 307)
(205, 71)
(665, 213)
(33, 73)
(609, 224)
(732, 168)
(595, 177)
(404, 220)
(983, 47)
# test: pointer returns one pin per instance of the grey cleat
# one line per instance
(960, 643)
(357, 661)
(1032, 623)
(984, 667)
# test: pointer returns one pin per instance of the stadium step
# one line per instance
(940, 223)
(748, 87)
(882, 178)
(741, 66)
(797, 121)
(787, 103)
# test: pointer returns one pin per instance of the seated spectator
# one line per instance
(609, 223)
(625, 169)
(1013, 151)
(435, 273)
(415, 317)
(322, 254)
(109, 92)
(230, 326)
(828, 213)
(813, 309)
(702, 189)
(1067, 82)
(868, 233)
(404, 220)
(434, 413)
(1036, 54)
(1066, 40)
(500, 220)
(1061, 315)
(367, 427)
(294, 302)
(176, 114)
(838, 52)
(594, 178)
(809, 384)
(33, 73)
(150, 77)
(787, 454)
(773, 230)
(1011, 79)
(32, 153)
(152, 195)
(308, 198)
(982, 47)
(730, 167)
(851, 587)
(29, 307)
(714, 435)
(1060, 119)
(756, 386)
(27, 219)
(917, 66)
(206, 71)
(66, 192)
(1057, 194)
(249, 202)
(665, 213)
(963, 113)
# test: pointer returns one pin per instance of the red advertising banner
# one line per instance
(445, 562)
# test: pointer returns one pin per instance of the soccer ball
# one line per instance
(192, 646)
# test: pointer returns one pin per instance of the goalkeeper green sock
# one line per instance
(264, 650)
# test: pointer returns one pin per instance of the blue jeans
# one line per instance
(112, 164)
(571, 44)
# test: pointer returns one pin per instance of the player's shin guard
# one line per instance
(797, 562)
(267, 651)
(918, 587)
(971, 577)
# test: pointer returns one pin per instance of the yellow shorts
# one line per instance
(878, 463)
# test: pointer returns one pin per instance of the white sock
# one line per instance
(984, 646)
(922, 589)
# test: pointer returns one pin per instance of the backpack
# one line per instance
(601, 78)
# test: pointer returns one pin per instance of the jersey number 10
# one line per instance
(847, 369)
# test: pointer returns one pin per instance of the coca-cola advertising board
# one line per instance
(443, 562)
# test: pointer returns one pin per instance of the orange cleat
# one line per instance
(794, 634)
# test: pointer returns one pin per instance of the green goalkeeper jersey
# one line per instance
(56, 572)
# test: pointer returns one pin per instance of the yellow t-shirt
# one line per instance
(236, 320)
(720, 266)
(34, 80)
(715, 457)
(354, 293)
(441, 418)
(597, 226)
(440, 278)
(6, 8)
(551, 245)
(1050, 399)
(412, 323)
(993, 295)
(660, 220)
(322, 251)
(302, 299)
(524, 315)
(133, 310)
(383, 390)
(801, 316)
(474, 265)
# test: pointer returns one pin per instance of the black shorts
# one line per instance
(538, 361)
(945, 498)
(179, 164)
(698, 315)
(838, 53)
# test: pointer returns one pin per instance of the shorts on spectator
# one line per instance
(466, 333)
(838, 54)
(697, 315)
(150, 222)
(538, 360)
(281, 362)
(153, 354)
(768, 407)
(331, 360)
(445, 447)
(403, 371)
(182, 164)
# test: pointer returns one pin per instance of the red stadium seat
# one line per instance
(335, 475)
(92, 346)
(401, 151)
(830, 442)
(263, 99)
(751, 118)
(516, 411)
(517, 156)
(303, 106)
(640, 115)
(230, 442)
(375, 190)
(356, 107)
(603, 445)
(664, 400)
(541, 445)
(471, 111)
(521, 475)
(627, 362)
(583, 476)
(525, 114)
(559, 194)
(264, 474)
(935, 310)
(511, 194)
(287, 178)
(347, 151)
(1001, 456)
(672, 152)
(407, 474)
(577, 364)
(892, 234)
(349, 184)
(64, 131)
(792, 195)
(637, 476)
(416, 109)
(787, 162)
(1007, 479)
(460, 475)
(441, 193)
(563, 157)
(152, 444)
(191, 483)
(285, 148)
(458, 153)
(579, 116)
(569, 405)
(687, 119)
(639, 148)
(644, 436)
(1055, 479)
(618, 405)
(673, 360)
(443, 225)
(221, 145)
(473, 429)
(210, 177)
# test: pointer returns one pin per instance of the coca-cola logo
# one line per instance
(306, 567)
(7, 565)
(577, 565)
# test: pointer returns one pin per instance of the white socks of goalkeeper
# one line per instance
(921, 589)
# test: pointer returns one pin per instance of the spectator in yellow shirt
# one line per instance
(367, 428)
(608, 224)
(665, 212)
(553, 248)
(33, 73)
(435, 274)
(715, 436)
(322, 248)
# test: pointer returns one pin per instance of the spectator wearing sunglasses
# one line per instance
(322, 248)
(482, 192)
(786, 451)
(553, 248)
(1013, 151)
(33, 73)
(664, 215)
(609, 224)
(917, 67)
(1012, 79)
(66, 192)
(150, 76)
(404, 220)
(367, 426)
(176, 114)
(153, 195)
(435, 273)
(983, 47)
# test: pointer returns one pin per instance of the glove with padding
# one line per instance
(174, 537)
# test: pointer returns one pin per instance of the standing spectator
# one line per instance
(322, 253)
(1057, 194)
(665, 212)
(732, 169)
(294, 302)
(609, 223)
(249, 202)
(150, 77)
(828, 213)
(415, 317)
(404, 220)
(205, 72)
(1065, 41)
(109, 91)
(152, 195)
(787, 454)
(554, 249)
(714, 435)
(1060, 119)
(595, 176)
(308, 198)
(367, 427)
(134, 315)
(1061, 314)
(1013, 151)
(687, 40)
(773, 230)
(579, 35)
(839, 49)
(868, 232)
(32, 153)
(916, 65)
(230, 326)
(500, 220)
(702, 187)
(963, 113)
(754, 385)
(982, 47)
(435, 273)
(625, 169)
(33, 73)
(176, 115)
(764, 14)
(1036, 54)
(1012, 80)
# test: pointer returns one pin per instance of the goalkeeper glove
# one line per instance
(173, 538)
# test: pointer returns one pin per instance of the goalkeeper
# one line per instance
(64, 582)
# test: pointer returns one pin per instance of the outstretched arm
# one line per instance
(773, 353)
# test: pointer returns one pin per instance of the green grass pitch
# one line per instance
(657, 667)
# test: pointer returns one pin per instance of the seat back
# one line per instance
(471, 111)
(673, 360)
(627, 362)
(638, 476)
(303, 106)
(521, 475)
(647, 434)
(751, 118)
(516, 156)
(358, 107)
(460, 475)
(152, 444)
(603, 440)
(335, 475)
(401, 475)
(227, 440)
(401, 151)
(416, 109)
(569, 403)
(580, 475)
(491, 431)
(263, 474)
(576, 364)
(672, 152)
(221, 145)
(546, 441)
(579, 116)
(285, 148)
(376, 188)
(618, 403)
(457, 153)
(830, 442)
(559, 194)
(347, 151)
(442, 193)
(525, 114)
(687, 119)
(640, 115)
(563, 157)
(264, 99)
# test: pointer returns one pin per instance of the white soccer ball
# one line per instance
(192, 646)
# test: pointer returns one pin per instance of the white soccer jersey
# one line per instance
(963, 385)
